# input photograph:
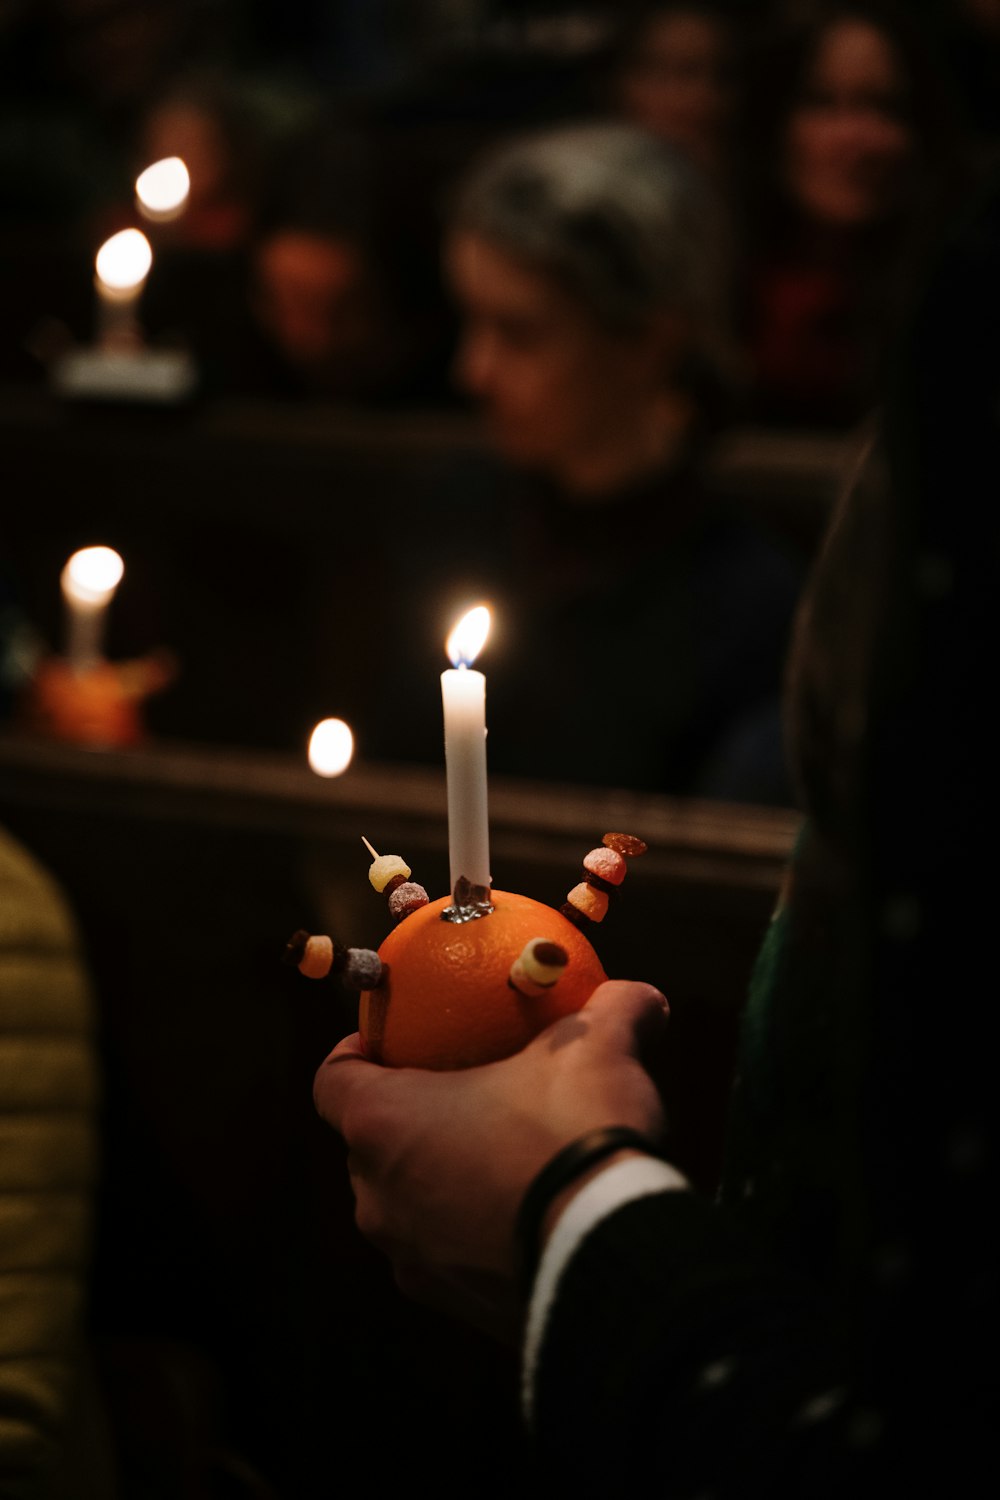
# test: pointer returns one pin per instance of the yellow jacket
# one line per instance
(48, 1161)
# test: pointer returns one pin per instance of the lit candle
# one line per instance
(331, 746)
(122, 266)
(89, 581)
(463, 693)
(161, 191)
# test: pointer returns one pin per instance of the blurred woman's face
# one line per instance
(849, 145)
(312, 297)
(548, 378)
(677, 86)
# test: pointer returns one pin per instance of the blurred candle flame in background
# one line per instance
(88, 581)
(331, 746)
(93, 574)
(123, 261)
(162, 190)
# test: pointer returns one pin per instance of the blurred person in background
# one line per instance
(851, 157)
(202, 119)
(195, 295)
(328, 302)
(588, 264)
(671, 71)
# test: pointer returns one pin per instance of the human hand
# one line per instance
(440, 1161)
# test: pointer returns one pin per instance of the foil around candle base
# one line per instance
(469, 902)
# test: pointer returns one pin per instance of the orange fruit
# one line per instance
(445, 1001)
(90, 707)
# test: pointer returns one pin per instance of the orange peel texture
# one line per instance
(445, 1001)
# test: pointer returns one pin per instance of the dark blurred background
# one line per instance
(292, 529)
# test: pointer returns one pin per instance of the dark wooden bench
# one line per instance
(225, 1224)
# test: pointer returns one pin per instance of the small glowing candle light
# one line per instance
(463, 694)
(331, 746)
(161, 191)
(122, 265)
(89, 581)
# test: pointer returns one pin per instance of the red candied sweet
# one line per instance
(406, 898)
(606, 864)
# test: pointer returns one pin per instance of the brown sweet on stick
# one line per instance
(624, 843)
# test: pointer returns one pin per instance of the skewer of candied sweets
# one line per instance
(316, 955)
(390, 875)
(537, 967)
(603, 872)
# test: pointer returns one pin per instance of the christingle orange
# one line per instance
(471, 978)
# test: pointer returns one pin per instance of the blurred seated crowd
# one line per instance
(611, 232)
(306, 261)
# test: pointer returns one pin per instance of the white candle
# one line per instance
(89, 581)
(122, 265)
(463, 695)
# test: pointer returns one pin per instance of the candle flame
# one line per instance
(92, 574)
(162, 189)
(331, 746)
(468, 637)
(124, 260)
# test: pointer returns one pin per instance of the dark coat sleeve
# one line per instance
(838, 1335)
(683, 1358)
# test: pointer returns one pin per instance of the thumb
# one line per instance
(628, 1016)
(339, 1078)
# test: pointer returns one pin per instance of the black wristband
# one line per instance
(568, 1164)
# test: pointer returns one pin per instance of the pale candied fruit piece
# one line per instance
(317, 959)
(386, 867)
(538, 966)
(588, 900)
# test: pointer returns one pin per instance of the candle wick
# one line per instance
(368, 846)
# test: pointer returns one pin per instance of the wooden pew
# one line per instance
(225, 1224)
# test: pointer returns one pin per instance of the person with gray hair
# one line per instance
(588, 263)
(597, 255)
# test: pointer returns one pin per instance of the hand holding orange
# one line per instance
(472, 978)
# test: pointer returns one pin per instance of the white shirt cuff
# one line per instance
(619, 1183)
